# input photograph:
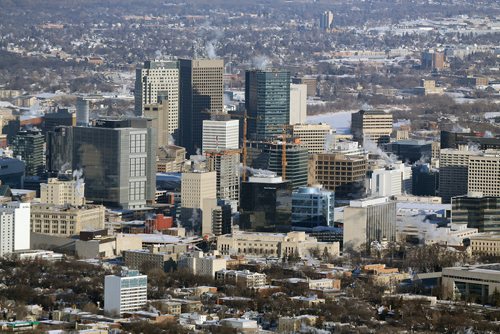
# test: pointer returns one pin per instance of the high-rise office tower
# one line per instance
(368, 220)
(373, 125)
(117, 158)
(392, 180)
(60, 117)
(220, 135)
(425, 182)
(477, 211)
(344, 174)
(310, 81)
(227, 166)
(454, 171)
(326, 21)
(484, 173)
(432, 59)
(82, 112)
(29, 145)
(118, 161)
(63, 191)
(59, 150)
(157, 85)
(222, 218)
(267, 100)
(298, 104)
(198, 197)
(14, 227)
(317, 138)
(201, 94)
(312, 207)
(159, 113)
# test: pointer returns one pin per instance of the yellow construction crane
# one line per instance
(244, 149)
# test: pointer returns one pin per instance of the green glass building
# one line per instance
(267, 101)
(29, 145)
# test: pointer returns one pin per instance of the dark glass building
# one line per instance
(268, 156)
(201, 94)
(59, 150)
(29, 145)
(117, 157)
(478, 212)
(12, 172)
(424, 181)
(267, 101)
(54, 119)
(411, 150)
(454, 139)
(266, 204)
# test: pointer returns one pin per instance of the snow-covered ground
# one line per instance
(341, 121)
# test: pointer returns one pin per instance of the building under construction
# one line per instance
(290, 164)
(227, 165)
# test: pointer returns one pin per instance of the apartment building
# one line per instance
(200, 264)
(241, 277)
(226, 164)
(14, 227)
(125, 293)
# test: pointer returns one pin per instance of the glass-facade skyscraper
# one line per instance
(267, 101)
(312, 207)
(201, 94)
(117, 158)
(28, 144)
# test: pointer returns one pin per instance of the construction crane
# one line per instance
(245, 118)
(284, 136)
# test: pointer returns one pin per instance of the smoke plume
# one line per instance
(260, 62)
(79, 181)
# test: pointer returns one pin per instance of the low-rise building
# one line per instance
(289, 325)
(311, 284)
(273, 244)
(310, 301)
(485, 244)
(476, 283)
(107, 246)
(246, 326)
(200, 264)
(156, 256)
(66, 220)
(243, 277)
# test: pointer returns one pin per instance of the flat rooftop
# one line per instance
(490, 268)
